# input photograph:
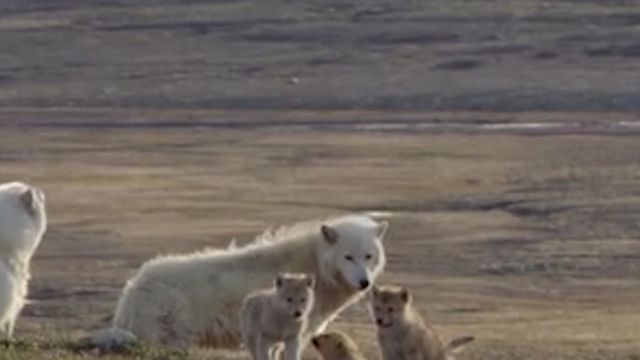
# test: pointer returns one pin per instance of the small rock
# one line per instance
(112, 339)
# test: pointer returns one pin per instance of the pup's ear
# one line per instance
(405, 295)
(311, 280)
(330, 234)
(381, 229)
(279, 280)
(458, 343)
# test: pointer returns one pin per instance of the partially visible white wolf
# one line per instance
(194, 299)
(23, 221)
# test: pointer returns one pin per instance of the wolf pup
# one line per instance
(336, 346)
(402, 332)
(278, 315)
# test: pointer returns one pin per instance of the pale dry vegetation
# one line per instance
(527, 242)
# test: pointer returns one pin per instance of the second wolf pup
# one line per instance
(402, 332)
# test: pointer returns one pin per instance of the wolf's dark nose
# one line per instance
(364, 284)
(297, 314)
(314, 342)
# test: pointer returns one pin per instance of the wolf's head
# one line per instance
(388, 305)
(33, 202)
(295, 293)
(334, 345)
(22, 219)
(351, 251)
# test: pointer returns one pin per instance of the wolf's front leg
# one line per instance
(10, 326)
(316, 324)
(276, 351)
(262, 346)
(292, 348)
(7, 329)
(5, 338)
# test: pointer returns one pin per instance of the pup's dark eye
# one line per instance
(368, 257)
(390, 310)
(289, 300)
(349, 257)
(302, 299)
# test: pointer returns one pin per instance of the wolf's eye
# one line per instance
(368, 257)
(349, 257)
(390, 309)
(289, 299)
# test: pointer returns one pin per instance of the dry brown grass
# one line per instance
(527, 242)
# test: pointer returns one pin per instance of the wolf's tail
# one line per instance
(458, 343)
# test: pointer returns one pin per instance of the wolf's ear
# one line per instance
(279, 280)
(381, 229)
(405, 295)
(330, 234)
(311, 280)
(28, 200)
(458, 343)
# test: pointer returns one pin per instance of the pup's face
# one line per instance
(330, 345)
(295, 292)
(388, 304)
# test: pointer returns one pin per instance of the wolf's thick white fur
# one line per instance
(22, 223)
(195, 299)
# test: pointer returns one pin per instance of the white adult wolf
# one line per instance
(23, 221)
(195, 299)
